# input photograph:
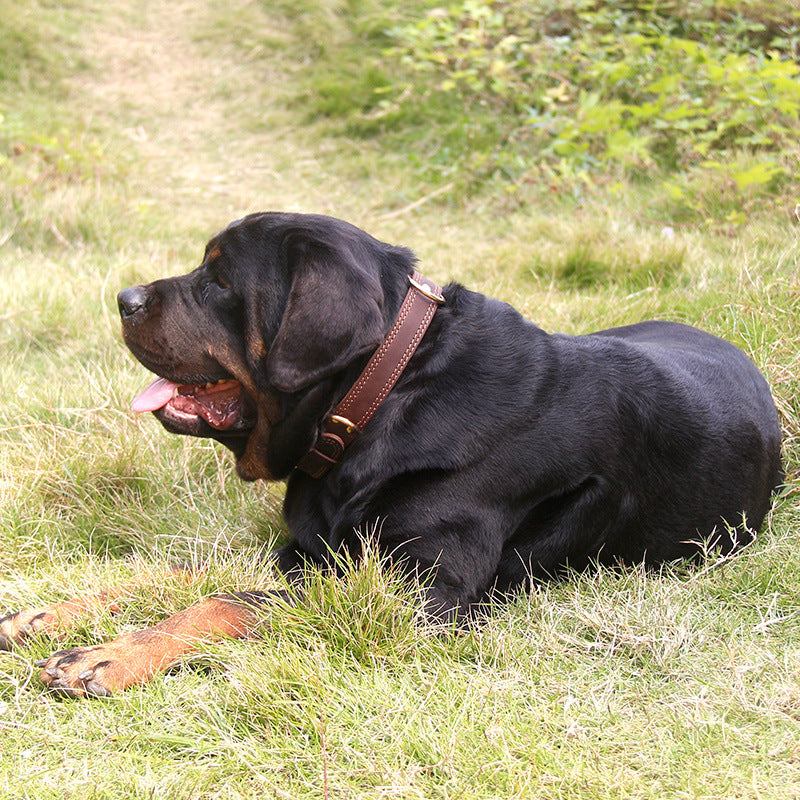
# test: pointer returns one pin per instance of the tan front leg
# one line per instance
(136, 657)
(57, 618)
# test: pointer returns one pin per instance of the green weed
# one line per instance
(566, 93)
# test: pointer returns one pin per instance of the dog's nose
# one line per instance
(131, 300)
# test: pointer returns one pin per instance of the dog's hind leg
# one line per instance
(565, 531)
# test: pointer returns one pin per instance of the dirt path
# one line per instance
(197, 93)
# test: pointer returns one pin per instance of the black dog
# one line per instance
(502, 455)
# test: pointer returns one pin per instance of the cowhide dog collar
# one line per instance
(342, 426)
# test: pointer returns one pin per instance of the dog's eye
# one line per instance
(214, 286)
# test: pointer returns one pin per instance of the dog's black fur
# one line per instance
(503, 455)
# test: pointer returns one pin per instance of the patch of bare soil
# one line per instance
(200, 107)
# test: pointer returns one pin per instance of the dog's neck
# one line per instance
(343, 425)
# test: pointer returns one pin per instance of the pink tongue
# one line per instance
(154, 396)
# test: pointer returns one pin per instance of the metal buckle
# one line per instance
(427, 290)
(351, 426)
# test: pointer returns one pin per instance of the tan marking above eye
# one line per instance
(215, 253)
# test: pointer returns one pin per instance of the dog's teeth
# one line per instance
(209, 385)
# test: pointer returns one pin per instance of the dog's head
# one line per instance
(279, 303)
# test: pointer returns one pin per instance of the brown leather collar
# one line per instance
(342, 426)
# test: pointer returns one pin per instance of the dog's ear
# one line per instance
(333, 314)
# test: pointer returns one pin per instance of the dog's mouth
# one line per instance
(222, 405)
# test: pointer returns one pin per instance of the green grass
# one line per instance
(127, 137)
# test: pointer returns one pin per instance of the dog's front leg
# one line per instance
(136, 657)
(453, 567)
(59, 618)
(56, 618)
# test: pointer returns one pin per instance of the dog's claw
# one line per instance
(41, 662)
(15, 632)
(62, 690)
(96, 690)
(60, 687)
(80, 672)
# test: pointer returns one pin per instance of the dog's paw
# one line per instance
(16, 628)
(94, 671)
